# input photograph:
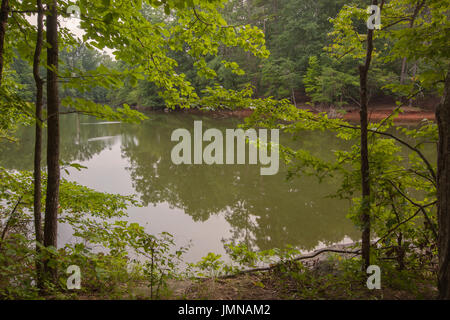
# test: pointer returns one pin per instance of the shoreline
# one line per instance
(410, 115)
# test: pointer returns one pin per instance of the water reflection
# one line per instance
(208, 204)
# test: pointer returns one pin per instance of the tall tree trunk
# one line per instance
(443, 191)
(4, 11)
(52, 200)
(365, 169)
(38, 143)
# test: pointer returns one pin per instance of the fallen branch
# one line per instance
(305, 257)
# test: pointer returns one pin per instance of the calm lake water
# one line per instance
(209, 205)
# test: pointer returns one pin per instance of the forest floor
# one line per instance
(328, 276)
(316, 279)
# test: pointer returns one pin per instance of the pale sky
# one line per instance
(73, 24)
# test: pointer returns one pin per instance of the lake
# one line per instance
(208, 204)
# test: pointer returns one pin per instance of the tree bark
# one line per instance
(4, 11)
(443, 191)
(38, 144)
(365, 168)
(52, 199)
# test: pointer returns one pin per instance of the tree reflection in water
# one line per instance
(262, 211)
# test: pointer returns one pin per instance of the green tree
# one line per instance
(140, 43)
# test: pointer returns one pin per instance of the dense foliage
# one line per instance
(298, 68)
(184, 54)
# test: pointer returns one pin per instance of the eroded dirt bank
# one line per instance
(409, 115)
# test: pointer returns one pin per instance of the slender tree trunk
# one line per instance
(38, 143)
(293, 98)
(4, 11)
(52, 199)
(443, 191)
(403, 71)
(414, 71)
(419, 5)
(365, 169)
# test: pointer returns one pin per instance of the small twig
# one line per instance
(5, 230)
(422, 208)
(397, 226)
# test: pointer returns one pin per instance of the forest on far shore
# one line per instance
(302, 66)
